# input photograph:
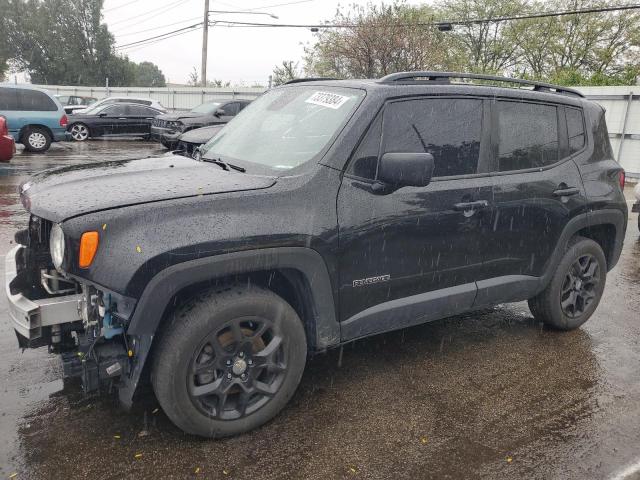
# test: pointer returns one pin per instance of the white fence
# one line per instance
(179, 98)
(621, 103)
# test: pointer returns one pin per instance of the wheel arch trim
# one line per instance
(593, 218)
(163, 286)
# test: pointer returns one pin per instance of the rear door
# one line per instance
(415, 240)
(537, 188)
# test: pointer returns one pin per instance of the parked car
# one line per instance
(75, 102)
(189, 141)
(7, 143)
(109, 100)
(117, 119)
(34, 117)
(636, 206)
(327, 212)
(167, 128)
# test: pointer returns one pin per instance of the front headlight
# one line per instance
(56, 245)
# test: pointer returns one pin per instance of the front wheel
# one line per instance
(79, 132)
(229, 361)
(575, 289)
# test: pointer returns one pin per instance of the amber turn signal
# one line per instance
(88, 248)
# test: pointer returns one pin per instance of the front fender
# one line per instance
(164, 285)
(161, 289)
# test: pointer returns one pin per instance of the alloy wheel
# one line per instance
(237, 369)
(79, 132)
(579, 288)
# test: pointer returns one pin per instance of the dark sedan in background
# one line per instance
(189, 141)
(168, 127)
(121, 119)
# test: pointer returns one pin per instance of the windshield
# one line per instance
(285, 127)
(209, 107)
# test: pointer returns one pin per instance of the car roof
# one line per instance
(412, 83)
(26, 86)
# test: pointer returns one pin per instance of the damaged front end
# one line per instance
(79, 321)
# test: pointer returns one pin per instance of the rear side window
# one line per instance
(117, 110)
(30, 100)
(26, 100)
(528, 135)
(8, 99)
(575, 129)
(449, 129)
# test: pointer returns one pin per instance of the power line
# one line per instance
(158, 27)
(120, 6)
(186, 29)
(135, 48)
(144, 18)
(166, 34)
(435, 24)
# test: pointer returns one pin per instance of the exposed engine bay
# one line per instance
(76, 320)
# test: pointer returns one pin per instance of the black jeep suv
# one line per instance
(326, 212)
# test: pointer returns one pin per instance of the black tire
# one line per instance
(79, 132)
(165, 144)
(575, 289)
(219, 346)
(36, 139)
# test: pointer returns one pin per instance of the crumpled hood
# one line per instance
(67, 192)
(172, 117)
(201, 135)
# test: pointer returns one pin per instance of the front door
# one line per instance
(414, 251)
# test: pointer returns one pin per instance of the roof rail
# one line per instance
(308, 79)
(444, 78)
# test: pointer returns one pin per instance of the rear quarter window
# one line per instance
(528, 135)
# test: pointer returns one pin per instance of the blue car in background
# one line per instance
(34, 116)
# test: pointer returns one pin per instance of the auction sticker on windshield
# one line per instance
(326, 99)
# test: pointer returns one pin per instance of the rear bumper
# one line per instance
(29, 317)
(59, 135)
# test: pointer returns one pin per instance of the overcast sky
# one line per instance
(235, 54)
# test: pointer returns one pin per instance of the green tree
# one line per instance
(380, 39)
(148, 74)
(283, 73)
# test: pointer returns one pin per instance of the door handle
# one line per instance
(122, 118)
(566, 192)
(478, 205)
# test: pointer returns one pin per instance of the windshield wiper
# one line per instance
(224, 165)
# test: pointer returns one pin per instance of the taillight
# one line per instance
(621, 178)
(64, 121)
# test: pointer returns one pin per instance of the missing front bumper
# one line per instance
(33, 319)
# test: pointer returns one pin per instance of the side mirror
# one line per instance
(219, 112)
(102, 114)
(406, 169)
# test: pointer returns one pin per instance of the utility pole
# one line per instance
(205, 41)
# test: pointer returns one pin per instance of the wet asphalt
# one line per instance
(490, 394)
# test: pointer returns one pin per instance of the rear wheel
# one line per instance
(79, 132)
(36, 139)
(229, 361)
(575, 288)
